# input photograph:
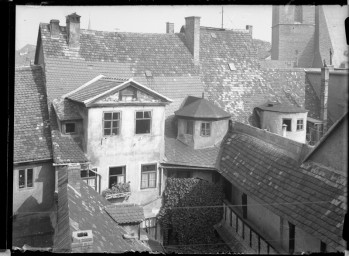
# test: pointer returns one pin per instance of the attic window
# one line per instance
(148, 73)
(232, 66)
(69, 128)
(128, 94)
(213, 35)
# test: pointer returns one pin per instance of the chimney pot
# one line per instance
(54, 28)
(192, 37)
(169, 28)
(284, 127)
(250, 29)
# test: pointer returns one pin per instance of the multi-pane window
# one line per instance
(205, 129)
(89, 177)
(148, 176)
(143, 122)
(25, 178)
(111, 123)
(288, 123)
(300, 125)
(190, 127)
(69, 128)
(117, 175)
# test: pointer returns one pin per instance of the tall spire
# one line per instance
(89, 22)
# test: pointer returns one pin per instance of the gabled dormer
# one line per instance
(201, 124)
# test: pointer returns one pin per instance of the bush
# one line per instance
(190, 209)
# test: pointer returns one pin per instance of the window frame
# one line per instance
(116, 175)
(111, 124)
(64, 128)
(191, 122)
(289, 128)
(148, 172)
(89, 177)
(302, 124)
(150, 122)
(26, 179)
(201, 130)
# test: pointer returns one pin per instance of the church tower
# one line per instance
(293, 28)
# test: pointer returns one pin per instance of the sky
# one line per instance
(143, 19)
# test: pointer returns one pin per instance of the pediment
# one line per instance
(130, 94)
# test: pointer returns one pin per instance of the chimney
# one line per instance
(192, 36)
(73, 30)
(74, 176)
(284, 127)
(169, 28)
(250, 29)
(54, 29)
(82, 241)
(325, 76)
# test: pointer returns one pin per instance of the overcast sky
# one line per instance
(147, 19)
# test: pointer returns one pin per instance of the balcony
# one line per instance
(118, 191)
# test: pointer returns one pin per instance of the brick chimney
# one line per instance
(192, 36)
(54, 29)
(250, 29)
(73, 30)
(74, 176)
(169, 28)
(325, 76)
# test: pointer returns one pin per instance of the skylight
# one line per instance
(232, 66)
(148, 73)
(213, 35)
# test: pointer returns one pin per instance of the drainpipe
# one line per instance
(325, 76)
(284, 127)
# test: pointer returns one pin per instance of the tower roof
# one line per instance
(201, 108)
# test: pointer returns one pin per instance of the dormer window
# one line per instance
(205, 129)
(69, 128)
(232, 66)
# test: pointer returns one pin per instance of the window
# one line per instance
(190, 127)
(128, 94)
(300, 125)
(288, 123)
(148, 176)
(117, 175)
(69, 128)
(111, 123)
(298, 14)
(89, 177)
(143, 121)
(25, 178)
(244, 206)
(291, 237)
(205, 129)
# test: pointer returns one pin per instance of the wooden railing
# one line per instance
(245, 231)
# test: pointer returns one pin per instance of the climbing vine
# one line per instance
(190, 209)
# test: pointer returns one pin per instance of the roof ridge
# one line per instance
(114, 78)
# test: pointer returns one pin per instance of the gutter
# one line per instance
(33, 161)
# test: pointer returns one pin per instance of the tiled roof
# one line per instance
(66, 149)
(279, 107)
(311, 197)
(80, 207)
(93, 89)
(32, 139)
(66, 110)
(241, 90)
(125, 213)
(263, 48)
(176, 152)
(25, 55)
(194, 107)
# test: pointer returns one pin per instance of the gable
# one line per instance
(129, 94)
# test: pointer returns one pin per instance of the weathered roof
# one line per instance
(101, 86)
(200, 108)
(176, 152)
(125, 213)
(80, 207)
(281, 107)
(32, 138)
(66, 110)
(66, 149)
(25, 55)
(311, 197)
